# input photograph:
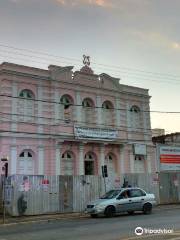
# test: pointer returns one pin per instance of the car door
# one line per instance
(123, 201)
(137, 197)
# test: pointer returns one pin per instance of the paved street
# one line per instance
(120, 227)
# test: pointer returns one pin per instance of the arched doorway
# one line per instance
(26, 163)
(139, 164)
(110, 161)
(68, 163)
(89, 164)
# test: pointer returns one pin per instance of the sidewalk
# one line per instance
(167, 206)
(57, 216)
(39, 218)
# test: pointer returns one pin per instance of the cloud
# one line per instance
(175, 45)
(61, 1)
(99, 3)
(156, 39)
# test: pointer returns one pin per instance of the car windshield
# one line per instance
(110, 194)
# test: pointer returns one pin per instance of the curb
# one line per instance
(55, 217)
(167, 206)
(41, 219)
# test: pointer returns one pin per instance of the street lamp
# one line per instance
(5, 169)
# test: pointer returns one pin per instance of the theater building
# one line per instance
(60, 122)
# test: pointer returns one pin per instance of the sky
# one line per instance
(135, 40)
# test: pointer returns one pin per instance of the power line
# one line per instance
(54, 147)
(95, 63)
(65, 136)
(122, 73)
(80, 105)
(137, 71)
(43, 61)
(41, 53)
(70, 121)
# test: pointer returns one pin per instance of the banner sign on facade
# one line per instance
(140, 149)
(95, 133)
(169, 158)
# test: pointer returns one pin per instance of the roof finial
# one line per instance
(86, 60)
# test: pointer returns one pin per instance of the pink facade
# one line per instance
(60, 122)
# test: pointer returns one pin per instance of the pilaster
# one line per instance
(99, 110)
(58, 159)
(81, 159)
(41, 160)
(14, 106)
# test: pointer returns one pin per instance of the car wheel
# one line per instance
(147, 208)
(94, 215)
(110, 211)
(130, 212)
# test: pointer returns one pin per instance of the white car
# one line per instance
(122, 200)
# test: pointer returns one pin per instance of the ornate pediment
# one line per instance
(60, 73)
(109, 82)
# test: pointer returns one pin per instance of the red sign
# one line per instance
(170, 158)
(45, 181)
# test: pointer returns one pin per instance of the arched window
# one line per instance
(135, 116)
(89, 163)
(88, 112)
(111, 162)
(26, 105)
(27, 94)
(107, 105)
(135, 109)
(26, 163)
(66, 109)
(87, 103)
(68, 163)
(108, 112)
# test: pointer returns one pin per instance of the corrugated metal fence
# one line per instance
(1, 187)
(53, 194)
(50, 194)
(169, 187)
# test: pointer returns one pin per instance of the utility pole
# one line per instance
(5, 169)
(105, 175)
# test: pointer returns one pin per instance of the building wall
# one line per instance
(42, 129)
(158, 132)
